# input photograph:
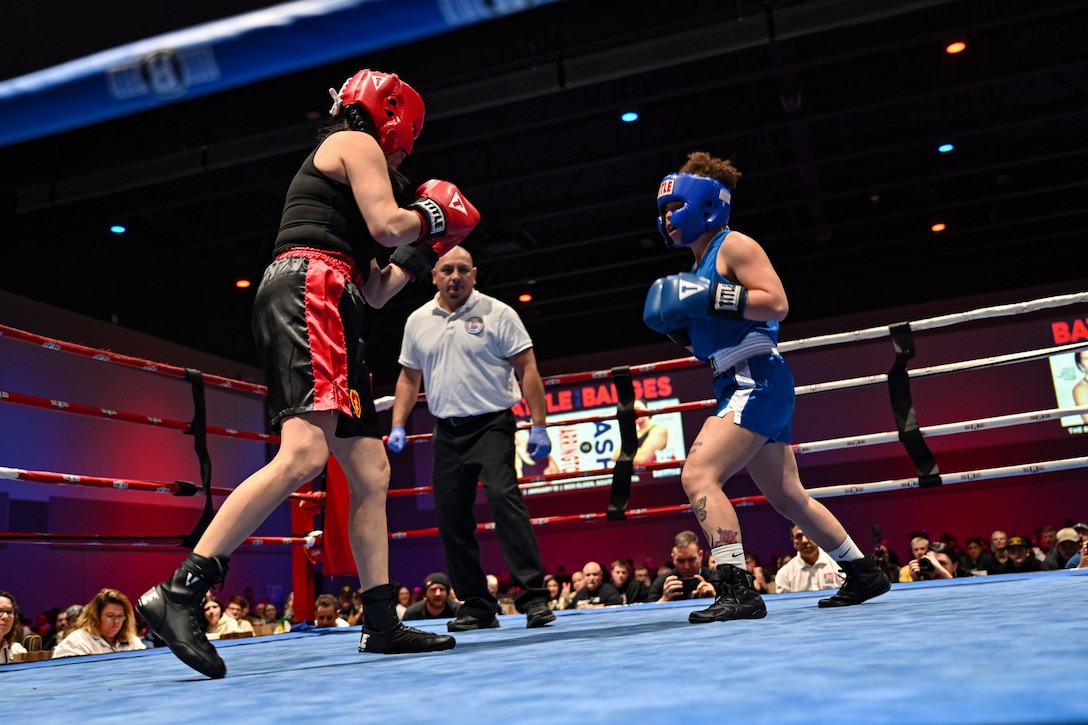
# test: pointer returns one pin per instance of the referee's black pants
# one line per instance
(468, 450)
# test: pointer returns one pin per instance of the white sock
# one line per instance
(729, 554)
(847, 551)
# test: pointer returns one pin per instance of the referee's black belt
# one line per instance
(463, 420)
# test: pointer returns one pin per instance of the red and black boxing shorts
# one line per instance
(309, 323)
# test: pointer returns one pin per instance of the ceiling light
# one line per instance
(629, 116)
(957, 47)
(938, 227)
(525, 297)
(118, 228)
(242, 283)
(945, 148)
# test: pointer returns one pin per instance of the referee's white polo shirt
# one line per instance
(463, 355)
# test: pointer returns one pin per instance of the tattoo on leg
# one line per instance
(700, 509)
(696, 444)
(725, 536)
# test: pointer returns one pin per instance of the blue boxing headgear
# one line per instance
(706, 206)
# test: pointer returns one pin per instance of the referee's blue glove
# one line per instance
(397, 440)
(539, 443)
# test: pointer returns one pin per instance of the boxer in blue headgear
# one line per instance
(726, 311)
(704, 207)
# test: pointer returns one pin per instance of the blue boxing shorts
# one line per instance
(759, 393)
(309, 323)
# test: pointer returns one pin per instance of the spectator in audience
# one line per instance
(976, 561)
(886, 560)
(999, 552)
(348, 609)
(256, 614)
(1021, 558)
(937, 562)
(919, 545)
(66, 622)
(107, 624)
(271, 615)
(557, 598)
(811, 570)
(436, 600)
(577, 580)
(213, 615)
(10, 629)
(403, 599)
(327, 612)
(289, 608)
(1066, 544)
(1078, 560)
(688, 579)
(759, 577)
(1048, 537)
(940, 562)
(642, 574)
(596, 592)
(631, 590)
(234, 620)
(956, 551)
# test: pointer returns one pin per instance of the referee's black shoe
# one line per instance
(538, 614)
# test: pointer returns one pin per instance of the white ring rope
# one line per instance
(982, 362)
(1019, 469)
(930, 323)
(934, 431)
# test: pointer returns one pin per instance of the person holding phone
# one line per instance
(688, 579)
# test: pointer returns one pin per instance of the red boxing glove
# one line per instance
(446, 215)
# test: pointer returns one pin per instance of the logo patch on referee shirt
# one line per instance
(356, 404)
(474, 325)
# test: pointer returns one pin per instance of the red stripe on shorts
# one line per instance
(328, 351)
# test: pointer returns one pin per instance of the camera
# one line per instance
(925, 565)
(690, 585)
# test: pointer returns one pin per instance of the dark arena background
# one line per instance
(924, 208)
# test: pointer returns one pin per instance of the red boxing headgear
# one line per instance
(393, 105)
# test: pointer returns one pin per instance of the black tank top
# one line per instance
(321, 213)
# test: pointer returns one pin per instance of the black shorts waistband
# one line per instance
(460, 421)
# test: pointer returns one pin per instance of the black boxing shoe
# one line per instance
(403, 640)
(468, 621)
(864, 580)
(538, 614)
(175, 612)
(737, 598)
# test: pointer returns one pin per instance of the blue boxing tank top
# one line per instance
(712, 333)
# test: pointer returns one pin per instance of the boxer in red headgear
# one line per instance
(347, 203)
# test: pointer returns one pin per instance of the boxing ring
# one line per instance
(983, 650)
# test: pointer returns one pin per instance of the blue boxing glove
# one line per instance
(397, 439)
(674, 301)
(540, 445)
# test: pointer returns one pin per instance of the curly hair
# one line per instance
(701, 163)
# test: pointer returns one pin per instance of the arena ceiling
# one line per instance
(832, 109)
